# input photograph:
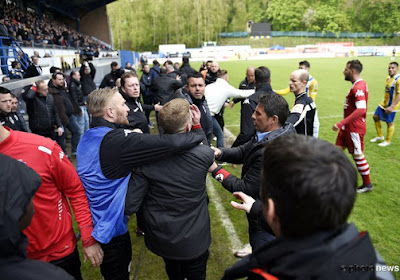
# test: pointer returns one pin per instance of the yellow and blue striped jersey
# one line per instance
(392, 88)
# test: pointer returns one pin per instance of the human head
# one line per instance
(128, 65)
(58, 79)
(196, 85)
(15, 65)
(168, 62)
(176, 66)
(42, 88)
(185, 60)
(163, 70)
(156, 63)
(16, 208)
(114, 66)
(223, 74)
(250, 74)
(36, 53)
(305, 65)
(175, 116)
(130, 84)
(170, 68)
(14, 103)
(75, 75)
(214, 67)
(54, 69)
(5, 100)
(35, 60)
(262, 75)
(352, 70)
(86, 70)
(271, 112)
(393, 68)
(109, 104)
(298, 81)
(208, 65)
(308, 185)
(146, 68)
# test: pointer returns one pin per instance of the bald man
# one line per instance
(303, 115)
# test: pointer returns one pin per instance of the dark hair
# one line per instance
(221, 73)
(312, 183)
(262, 75)
(155, 62)
(163, 70)
(355, 65)
(73, 73)
(194, 75)
(113, 64)
(185, 60)
(395, 63)
(305, 63)
(54, 75)
(4, 90)
(14, 63)
(274, 104)
(54, 69)
(126, 76)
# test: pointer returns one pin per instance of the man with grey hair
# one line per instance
(176, 205)
(106, 156)
(303, 115)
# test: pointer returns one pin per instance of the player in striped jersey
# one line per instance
(386, 110)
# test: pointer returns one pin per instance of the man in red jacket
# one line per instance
(50, 234)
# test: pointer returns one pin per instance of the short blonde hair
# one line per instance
(174, 116)
(98, 100)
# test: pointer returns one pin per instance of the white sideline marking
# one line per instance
(224, 218)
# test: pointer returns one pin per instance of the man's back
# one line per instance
(176, 206)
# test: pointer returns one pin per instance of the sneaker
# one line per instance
(384, 144)
(151, 125)
(246, 250)
(377, 139)
(364, 188)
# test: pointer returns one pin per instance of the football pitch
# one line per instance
(377, 212)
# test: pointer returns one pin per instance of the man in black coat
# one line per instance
(88, 71)
(130, 91)
(110, 79)
(43, 116)
(145, 82)
(7, 117)
(176, 205)
(263, 86)
(194, 94)
(163, 86)
(34, 69)
(307, 193)
(18, 184)
(269, 121)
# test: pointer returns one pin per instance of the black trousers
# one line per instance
(117, 258)
(194, 269)
(71, 264)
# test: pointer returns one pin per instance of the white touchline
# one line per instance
(224, 218)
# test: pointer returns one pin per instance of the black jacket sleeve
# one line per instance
(137, 190)
(249, 184)
(122, 150)
(236, 154)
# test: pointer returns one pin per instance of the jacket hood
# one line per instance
(18, 184)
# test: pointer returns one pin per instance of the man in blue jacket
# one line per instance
(106, 155)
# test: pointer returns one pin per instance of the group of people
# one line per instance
(26, 26)
(54, 106)
(288, 175)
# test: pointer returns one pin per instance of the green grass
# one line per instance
(376, 212)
